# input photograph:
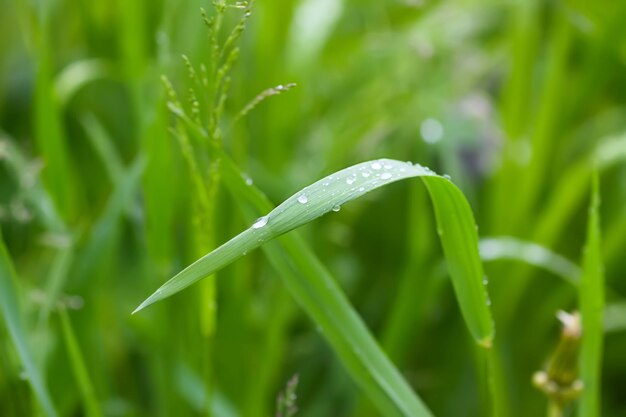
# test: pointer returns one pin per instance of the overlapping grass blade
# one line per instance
(105, 228)
(591, 298)
(13, 318)
(454, 219)
(313, 287)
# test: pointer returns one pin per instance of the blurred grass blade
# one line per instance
(102, 144)
(21, 169)
(615, 317)
(78, 366)
(51, 139)
(510, 248)
(106, 228)
(76, 75)
(454, 218)
(591, 298)
(12, 316)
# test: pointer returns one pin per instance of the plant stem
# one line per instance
(554, 409)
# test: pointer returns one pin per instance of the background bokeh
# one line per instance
(517, 101)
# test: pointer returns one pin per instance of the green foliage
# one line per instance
(136, 137)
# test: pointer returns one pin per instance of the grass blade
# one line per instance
(615, 317)
(79, 368)
(455, 224)
(313, 287)
(591, 298)
(510, 248)
(12, 316)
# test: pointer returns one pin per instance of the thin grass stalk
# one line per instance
(90, 401)
(591, 299)
(13, 317)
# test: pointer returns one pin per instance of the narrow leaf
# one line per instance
(12, 316)
(510, 248)
(591, 298)
(454, 219)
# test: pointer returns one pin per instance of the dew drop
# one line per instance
(336, 207)
(485, 280)
(260, 222)
(385, 176)
(362, 189)
(365, 174)
(303, 199)
(376, 165)
(350, 180)
(448, 177)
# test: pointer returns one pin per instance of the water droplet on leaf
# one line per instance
(260, 222)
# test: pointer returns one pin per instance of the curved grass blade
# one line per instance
(318, 294)
(454, 219)
(10, 310)
(78, 74)
(510, 248)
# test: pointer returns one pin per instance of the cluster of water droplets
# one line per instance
(366, 177)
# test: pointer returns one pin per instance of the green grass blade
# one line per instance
(615, 317)
(455, 224)
(591, 298)
(11, 313)
(52, 140)
(76, 75)
(102, 144)
(105, 228)
(457, 230)
(20, 169)
(78, 366)
(313, 287)
(510, 248)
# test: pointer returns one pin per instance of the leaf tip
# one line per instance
(144, 304)
(486, 343)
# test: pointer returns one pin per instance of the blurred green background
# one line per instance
(515, 100)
